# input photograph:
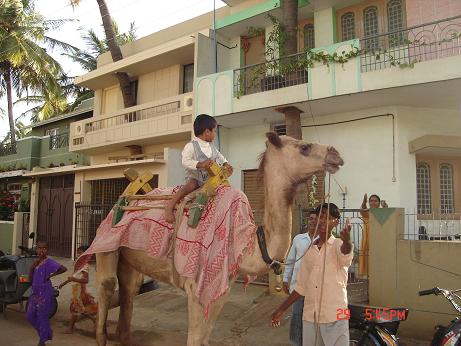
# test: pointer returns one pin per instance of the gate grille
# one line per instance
(87, 220)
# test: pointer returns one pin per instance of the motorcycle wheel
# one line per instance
(54, 307)
(355, 335)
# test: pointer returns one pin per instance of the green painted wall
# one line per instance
(248, 13)
(6, 236)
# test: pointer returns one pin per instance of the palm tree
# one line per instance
(87, 58)
(115, 51)
(24, 65)
(290, 26)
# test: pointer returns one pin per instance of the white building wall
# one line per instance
(365, 145)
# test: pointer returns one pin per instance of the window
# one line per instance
(370, 26)
(447, 203)
(395, 22)
(53, 133)
(423, 188)
(348, 26)
(309, 37)
(188, 78)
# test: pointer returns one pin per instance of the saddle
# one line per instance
(217, 176)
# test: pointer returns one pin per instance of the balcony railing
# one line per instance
(7, 149)
(59, 141)
(125, 118)
(424, 42)
(270, 75)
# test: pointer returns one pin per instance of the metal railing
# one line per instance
(429, 41)
(129, 117)
(436, 226)
(7, 149)
(271, 75)
(59, 141)
(88, 217)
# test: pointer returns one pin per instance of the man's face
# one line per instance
(324, 220)
(311, 223)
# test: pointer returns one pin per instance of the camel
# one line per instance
(285, 164)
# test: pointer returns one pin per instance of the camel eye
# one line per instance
(305, 149)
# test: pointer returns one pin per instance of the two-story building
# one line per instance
(391, 107)
(37, 170)
(146, 137)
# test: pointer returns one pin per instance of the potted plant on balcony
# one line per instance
(7, 206)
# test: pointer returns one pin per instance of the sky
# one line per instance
(149, 16)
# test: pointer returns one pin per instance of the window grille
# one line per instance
(395, 22)
(348, 26)
(370, 26)
(309, 36)
(447, 203)
(423, 188)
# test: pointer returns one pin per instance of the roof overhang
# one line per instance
(179, 51)
(436, 145)
(78, 168)
(12, 174)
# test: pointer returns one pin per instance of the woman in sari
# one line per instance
(374, 202)
(82, 303)
(40, 302)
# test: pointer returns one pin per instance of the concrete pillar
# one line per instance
(325, 27)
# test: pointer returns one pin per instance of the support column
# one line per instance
(325, 27)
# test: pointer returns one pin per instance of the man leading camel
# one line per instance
(322, 280)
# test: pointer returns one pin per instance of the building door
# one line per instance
(253, 54)
(55, 214)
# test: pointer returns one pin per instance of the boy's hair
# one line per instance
(83, 248)
(203, 122)
(334, 210)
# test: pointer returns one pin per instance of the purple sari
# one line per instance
(40, 302)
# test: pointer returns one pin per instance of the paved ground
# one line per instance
(160, 318)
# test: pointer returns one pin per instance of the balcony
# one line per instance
(45, 152)
(270, 75)
(160, 121)
(430, 41)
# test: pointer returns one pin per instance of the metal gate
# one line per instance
(55, 211)
(87, 219)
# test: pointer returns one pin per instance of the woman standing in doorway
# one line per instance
(374, 202)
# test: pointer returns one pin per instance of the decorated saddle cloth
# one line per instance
(211, 253)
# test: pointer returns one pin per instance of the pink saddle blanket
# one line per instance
(211, 253)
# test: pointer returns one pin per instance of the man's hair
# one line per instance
(334, 210)
(43, 242)
(377, 197)
(83, 248)
(203, 122)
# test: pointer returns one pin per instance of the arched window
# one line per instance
(423, 188)
(348, 26)
(395, 22)
(309, 36)
(447, 202)
(370, 26)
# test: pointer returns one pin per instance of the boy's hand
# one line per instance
(205, 164)
(228, 168)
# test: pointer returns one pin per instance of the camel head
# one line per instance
(291, 162)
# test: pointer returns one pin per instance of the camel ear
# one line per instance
(274, 139)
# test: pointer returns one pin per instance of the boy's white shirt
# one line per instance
(189, 159)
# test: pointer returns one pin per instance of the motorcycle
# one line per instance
(451, 334)
(374, 326)
(15, 286)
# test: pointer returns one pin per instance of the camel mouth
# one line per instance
(332, 167)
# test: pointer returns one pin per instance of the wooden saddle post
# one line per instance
(137, 183)
(217, 176)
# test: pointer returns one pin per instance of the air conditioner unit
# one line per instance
(188, 103)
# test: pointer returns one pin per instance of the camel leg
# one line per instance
(129, 281)
(106, 279)
(196, 323)
(213, 314)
